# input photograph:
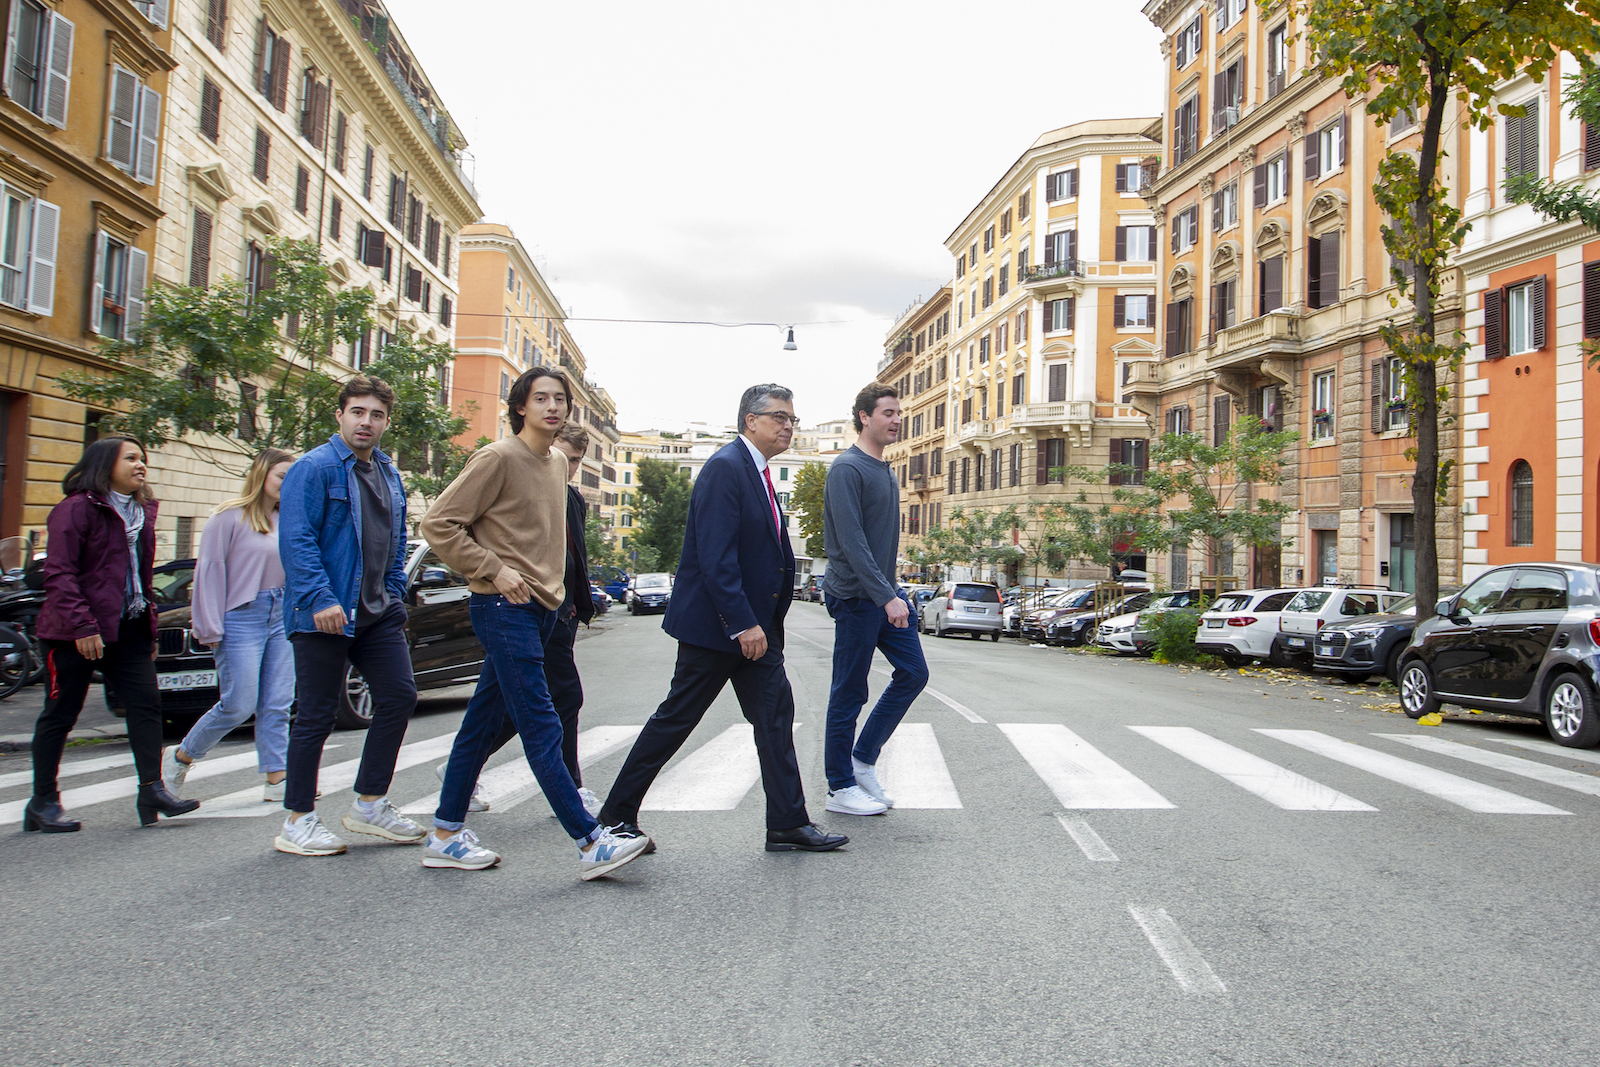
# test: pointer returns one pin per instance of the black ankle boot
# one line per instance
(156, 799)
(45, 815)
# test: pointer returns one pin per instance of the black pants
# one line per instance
(127, 665)
(762, 687)
(566, 692)
(379, 651)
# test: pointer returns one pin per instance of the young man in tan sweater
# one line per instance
(502, 523)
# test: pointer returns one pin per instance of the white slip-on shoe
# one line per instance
(854, 801)
(867, 778)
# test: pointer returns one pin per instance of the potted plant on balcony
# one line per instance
(1322, 416)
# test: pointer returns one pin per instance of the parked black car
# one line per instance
(649, 593)
(1523, 640)
(1356, 649)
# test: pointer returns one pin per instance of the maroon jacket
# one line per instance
(86, 568)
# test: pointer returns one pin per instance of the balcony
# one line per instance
(1074, 417)
(1046, 272)
(976, 431)
(1275, 333)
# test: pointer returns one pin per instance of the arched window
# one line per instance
(1521, 503)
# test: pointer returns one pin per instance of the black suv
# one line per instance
(1355, 649)
(1522, 639)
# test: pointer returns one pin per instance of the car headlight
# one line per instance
(1364, 633)
(1124, 628)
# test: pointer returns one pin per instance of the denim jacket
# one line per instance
(319, 534)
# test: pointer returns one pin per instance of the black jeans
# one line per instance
(566, 693)
(127, 665)
(380, 653)
(762, 687)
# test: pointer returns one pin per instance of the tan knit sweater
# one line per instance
(507, 507)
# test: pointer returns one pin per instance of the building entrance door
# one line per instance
(1403, 552)
(1269, 564)
(1327, 556)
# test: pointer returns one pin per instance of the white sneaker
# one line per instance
(386, 822)
(477, 803)
(173, 770)
(459, 850)
(591, 803)
(854, 801)
(307, 837)
(867, 779)
(608, 853)
(272, 792)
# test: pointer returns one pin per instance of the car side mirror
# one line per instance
(1446, 609)
(432, 578)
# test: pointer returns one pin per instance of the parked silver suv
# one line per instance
(964, 607)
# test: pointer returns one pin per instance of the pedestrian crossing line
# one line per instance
(1463, 792)
(950, 702)
(1080, 775)
(247, 803)
(1092, 844)
(511, 782)
(1274, 784)
(913, 771)
(714, 777)
(1193, 973)
(118, 788)
(1527, 768)
(81, 766)
(1550, 748)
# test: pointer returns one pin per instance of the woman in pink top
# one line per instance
(238, 611)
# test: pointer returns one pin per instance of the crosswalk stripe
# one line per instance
(1193, 973)
(81, 766)
(1550, 748)
(1093, 845)
(1080, 775)
(118, 788)
(912, 769)
(511, 782)
(1527, 768)
(1272, 783)
(714, 777)
(1464, 792)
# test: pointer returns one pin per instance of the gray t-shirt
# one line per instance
(861, 527)
(377, 542)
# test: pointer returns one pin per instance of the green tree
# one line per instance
(972, 538)
(1418, 54)
(806, 501)
(663, 512)
(597, 543)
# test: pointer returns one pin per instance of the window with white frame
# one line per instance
(133, 125)
(154, 10)
(1520, 311)
(1138, 244)
(1277, 59)
(1186, 46)
(1276, 174)
(116, 302)
(1330, 149)
(1132, 310)
(1322, 405)
(1394, 390)
(1230, 12)
(29, 232)
(39, 74)
(1225, 207)
(1186, 229)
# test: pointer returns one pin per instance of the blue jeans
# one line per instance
(255, 671)
(859, 627)
(512, 683)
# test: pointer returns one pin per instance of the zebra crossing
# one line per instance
(721, 772)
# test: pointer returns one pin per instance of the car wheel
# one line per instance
(1353, 677)
(1416, 690)
(1233, 659)
(1569, 713)
(994, 635)
(938, 627)
(355, 703)
(1392, 670)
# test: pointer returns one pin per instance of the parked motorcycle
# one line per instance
(21, 599)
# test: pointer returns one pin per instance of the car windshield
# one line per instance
(1408, 606)
(981, 594)
(1230, 603)
(1309, 600)
(651, 581)
(172, 587)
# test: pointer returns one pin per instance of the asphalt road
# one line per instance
(1198, 893)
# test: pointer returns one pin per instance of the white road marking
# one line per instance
(1527, 768)
(1550, 748)
(1193, 973)
(714, 777)
(1080, 775)
(118, 788)
(1093, 845)
(913, 771)
(511, 782)
(948, 701)
(1449, 787)
(1272, 783)
(81, 766)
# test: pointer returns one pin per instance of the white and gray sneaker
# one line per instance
(477, 803)
(272, 792)
(307, 836)
(591, 803)
(867, 779)
(173, 770)
(459, 850)
(854, 801)
(608, 853)
(383, 820)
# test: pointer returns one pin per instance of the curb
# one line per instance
(22, 742)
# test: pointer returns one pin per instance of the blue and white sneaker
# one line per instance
(608, 853)
(458, 850)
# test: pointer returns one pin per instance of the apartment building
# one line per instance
(834, 436)
(81, 144)
(1274, 281)
(916, 362)
(1054, 313)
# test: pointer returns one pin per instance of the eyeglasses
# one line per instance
(782, 418)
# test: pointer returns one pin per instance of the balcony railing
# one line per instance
(974, 431)
(1059, 413)
(1043, 272)
(1281, 328)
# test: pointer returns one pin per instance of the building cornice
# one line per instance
(65, 160)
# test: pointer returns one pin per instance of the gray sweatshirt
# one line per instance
(861, 528)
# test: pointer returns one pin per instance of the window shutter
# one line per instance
(1072, 308)
(1221, 417)
(1261, 185)
(58, 73)
(1219, 84)
(1072, 246)
(216, 22)
(1172, 330)
(302, 190)
(1216, 212)
(1119, 311)
(1049, 188)
(122, 114)
(1122, 177)
(138, 262)
(200, 250)
(1047, 313)
(1591, 299)
(97, 289)
(320, 100)
(1122, 244)
(1494, 326)
(1177, 224)
(372, 255)
(1072, 183)
(1115, 477)
(149, 136)
(42, 256)
(263, 71)
(210, 110)
(280, 74)
(413, 284)
(1313, 143)
(263, 154)
(1376, 386)
(1591, 147)
(1271, 284)
(1536, 308)
(1344, 136)
(1330, 269)
(1313, 272)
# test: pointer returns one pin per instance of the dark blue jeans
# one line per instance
(512, 682)
(860, 627)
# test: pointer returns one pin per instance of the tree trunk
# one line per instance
(1425, 371)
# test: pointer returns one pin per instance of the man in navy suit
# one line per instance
(733, 588)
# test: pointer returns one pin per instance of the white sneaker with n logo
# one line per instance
(608, 853)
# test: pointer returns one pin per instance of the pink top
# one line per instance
(235, 564)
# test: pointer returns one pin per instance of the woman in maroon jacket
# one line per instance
(99, 614)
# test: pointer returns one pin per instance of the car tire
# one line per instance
(1233, 659)
(1391, 670)
(1570, 713)
(1416, 690)
(355, 702)
(994, 635)
(938, 627)
(1353, 677)
(1280, 656)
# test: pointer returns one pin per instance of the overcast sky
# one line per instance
(758, 162)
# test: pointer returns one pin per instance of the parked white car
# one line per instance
(1123, 632)
(1240, 626)
(1312, 609)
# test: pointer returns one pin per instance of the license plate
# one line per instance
(1297, 642)
(187, 680)
(1213, 624)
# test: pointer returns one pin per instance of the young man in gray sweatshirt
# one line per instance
(861, 532)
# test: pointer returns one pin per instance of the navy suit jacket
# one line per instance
(737, 569)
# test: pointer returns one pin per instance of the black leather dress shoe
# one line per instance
(44, 814)
(809, 838)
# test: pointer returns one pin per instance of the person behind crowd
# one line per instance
(503, 524)
(237, 609)
(342, 524)
(100, 614)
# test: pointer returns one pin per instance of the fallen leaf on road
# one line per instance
(1433, 718)
(1319, 698)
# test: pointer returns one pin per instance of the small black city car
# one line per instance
(1522, 639)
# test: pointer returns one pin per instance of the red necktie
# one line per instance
(777, 523)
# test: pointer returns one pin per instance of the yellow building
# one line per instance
(916, 362)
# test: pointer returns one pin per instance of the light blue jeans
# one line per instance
(255, 671)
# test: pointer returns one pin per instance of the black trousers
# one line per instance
(566, 692)
(762, 687)
(128, 666)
